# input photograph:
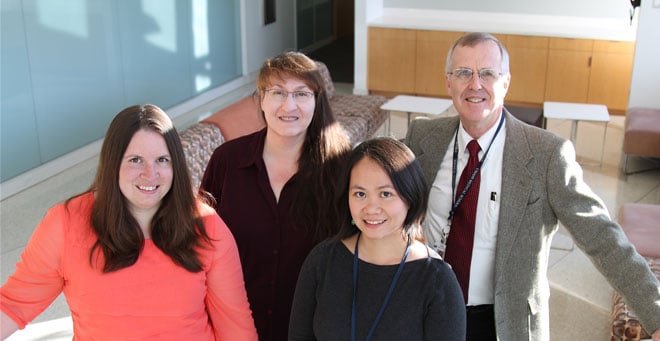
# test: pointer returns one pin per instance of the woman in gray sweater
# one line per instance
(377, 279)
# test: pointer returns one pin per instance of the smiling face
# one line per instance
(145, 173)
(291, 116)
(478, 102)
(376, 207)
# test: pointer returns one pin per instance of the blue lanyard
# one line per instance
(387, 297)
(457, 201)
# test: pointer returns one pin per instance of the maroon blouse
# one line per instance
(271, 249)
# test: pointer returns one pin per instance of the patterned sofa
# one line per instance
(359, 115)
(640, 224)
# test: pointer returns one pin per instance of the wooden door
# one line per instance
(611, 72)
(431, 56)
(568, 71)
(528, 61)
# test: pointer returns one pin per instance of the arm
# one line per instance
(301, 322)
(446, 317)
(585, 216)
(38, 278)
(226, 298)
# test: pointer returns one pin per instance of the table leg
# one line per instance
(388, 123)
(602, 148)
(409, 113)
(574, 133)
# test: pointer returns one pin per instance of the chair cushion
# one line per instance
(239, 119)
(640, 223)
(642, 132)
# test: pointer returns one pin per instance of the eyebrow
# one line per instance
(379, 187)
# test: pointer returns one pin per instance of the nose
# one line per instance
(475, 82)
(372, 205)
(149, 171)
(289, 103)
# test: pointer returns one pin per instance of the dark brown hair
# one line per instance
(176, 228)
(406, 174)
(324, 149)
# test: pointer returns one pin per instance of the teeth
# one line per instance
(374, 222)
(288, 118)
(475, 100)
(147, 188)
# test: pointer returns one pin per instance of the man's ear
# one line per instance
(507, 81)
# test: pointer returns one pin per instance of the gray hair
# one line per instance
(472, 39)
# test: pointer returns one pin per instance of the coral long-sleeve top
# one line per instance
(154, 299)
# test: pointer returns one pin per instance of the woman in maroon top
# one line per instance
(274, 188)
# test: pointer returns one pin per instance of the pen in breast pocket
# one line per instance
(493, 196)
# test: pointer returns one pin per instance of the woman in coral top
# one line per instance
(138, 256)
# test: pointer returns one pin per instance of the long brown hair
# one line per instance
(176, 228)
(323, 152)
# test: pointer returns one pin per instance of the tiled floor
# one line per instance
(580, 295)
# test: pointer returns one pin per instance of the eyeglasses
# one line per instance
(298, 96)
(485, 75)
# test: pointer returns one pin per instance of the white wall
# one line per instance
(646, 70)
(616, 11)
(582, 8)
(267, 41)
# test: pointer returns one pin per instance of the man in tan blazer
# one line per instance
(530, 180)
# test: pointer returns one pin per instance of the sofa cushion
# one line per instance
(238, 119)
(366, 107)
(355, 128)
(328, 85)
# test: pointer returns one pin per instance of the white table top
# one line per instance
(576, 111)
(418, 104)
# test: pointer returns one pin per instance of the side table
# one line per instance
(578, 112)
(415, 104)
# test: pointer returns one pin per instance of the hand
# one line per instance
(8, 326)
(656, 335)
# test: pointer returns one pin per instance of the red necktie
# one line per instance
(461, 234)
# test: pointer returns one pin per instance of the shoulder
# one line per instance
(424, 131)
(214, 225)
(77, 209)
(326, 252)
(533, 135)
(240, 143)
(70, 220)
(239, 151)
(425, 255)
(422, 124)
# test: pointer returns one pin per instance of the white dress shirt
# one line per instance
(480, 289)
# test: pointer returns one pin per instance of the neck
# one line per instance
(382, 251)
(276, 145)
(143, 219)
(479, 128)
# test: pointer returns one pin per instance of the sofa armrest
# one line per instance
(199, 141)
(328, 85)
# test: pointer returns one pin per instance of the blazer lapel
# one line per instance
(516, 187)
